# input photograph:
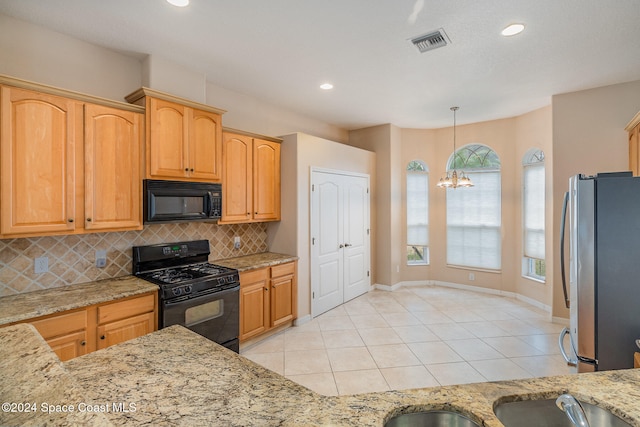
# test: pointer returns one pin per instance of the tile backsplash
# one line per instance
(71, 259)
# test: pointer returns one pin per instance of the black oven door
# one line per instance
(215, 316)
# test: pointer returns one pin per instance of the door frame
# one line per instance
(313, 281)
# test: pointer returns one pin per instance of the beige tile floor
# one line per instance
(415, 337)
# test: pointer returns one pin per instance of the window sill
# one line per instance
(534, 279)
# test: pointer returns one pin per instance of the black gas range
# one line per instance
(201, 296)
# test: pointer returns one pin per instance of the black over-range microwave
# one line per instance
(180, 201)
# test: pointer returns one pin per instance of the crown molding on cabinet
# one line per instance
(52, 90)
(137, 96)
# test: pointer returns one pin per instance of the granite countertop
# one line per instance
(251, 262)
(176, 377)
(20, 307)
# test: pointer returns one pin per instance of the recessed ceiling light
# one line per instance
(179, 3)
(512, 30)
(326, 86)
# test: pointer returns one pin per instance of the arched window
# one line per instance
(417, 213)
(533, 208)
(474, 214)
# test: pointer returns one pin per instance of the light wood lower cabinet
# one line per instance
(65, 333)
(74, 333)
(268, 299)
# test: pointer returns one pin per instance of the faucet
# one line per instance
(573, 409)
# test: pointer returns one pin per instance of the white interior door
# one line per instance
(339, 238)
(356, 236)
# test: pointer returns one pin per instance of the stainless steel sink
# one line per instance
(545, 413)
(431, 419)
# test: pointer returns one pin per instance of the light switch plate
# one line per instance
(236, 242)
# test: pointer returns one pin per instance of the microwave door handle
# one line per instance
(562, 260)
(210, 204)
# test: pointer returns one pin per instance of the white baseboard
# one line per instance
(479, 289)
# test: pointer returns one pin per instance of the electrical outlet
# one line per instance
(472, 277)
(236, 242)
(41, 265)
(101, 259)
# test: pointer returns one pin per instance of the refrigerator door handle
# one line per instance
(570, 361)
(562, 260)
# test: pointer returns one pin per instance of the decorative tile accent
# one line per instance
(72, 258)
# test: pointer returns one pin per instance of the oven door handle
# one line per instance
(185, 298)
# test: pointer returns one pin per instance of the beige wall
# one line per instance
(510, 138)
(34, 53)
(291, 235)
(385, 141)
(588, 137)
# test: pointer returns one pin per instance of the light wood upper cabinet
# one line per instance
(41, 151)
(113, 178)
(67, 166)
(251, 184)
(183, 137)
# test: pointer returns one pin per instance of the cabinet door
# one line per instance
(167, 140)
(69, 346)
(254, 303)
(40, 159)
(237, 194)
(266, 180)
(112, 169)
(65, 333)
(125, 329)
(283, 294)
(205, 145)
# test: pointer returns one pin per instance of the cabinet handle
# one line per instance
(266, 289)
(102, 337)
(341, 246)
(248, 213)
(83, 342)
(191, 170)
(70, 220)
(186, 169)
(88, 219)
(346, 245)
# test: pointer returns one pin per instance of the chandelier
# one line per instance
(454, 179)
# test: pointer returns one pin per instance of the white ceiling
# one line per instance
(280, 51)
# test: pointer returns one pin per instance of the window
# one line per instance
(417, 213)
(533, 207)
(474, 214)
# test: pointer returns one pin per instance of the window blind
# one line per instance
(474, 222)
(417, 208)
(533, 211)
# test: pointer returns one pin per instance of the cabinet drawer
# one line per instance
(252, 276)
(61, 325)
(283, 269)
(124, 309)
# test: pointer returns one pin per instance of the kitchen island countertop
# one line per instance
(176, 377)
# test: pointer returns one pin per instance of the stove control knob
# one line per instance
(177, 291)
(188, 289)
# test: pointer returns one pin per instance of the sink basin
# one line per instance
(545, 413)
(431, 419)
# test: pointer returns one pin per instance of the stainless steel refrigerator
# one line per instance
(604, 270)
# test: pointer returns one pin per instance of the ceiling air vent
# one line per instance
(430, 41)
